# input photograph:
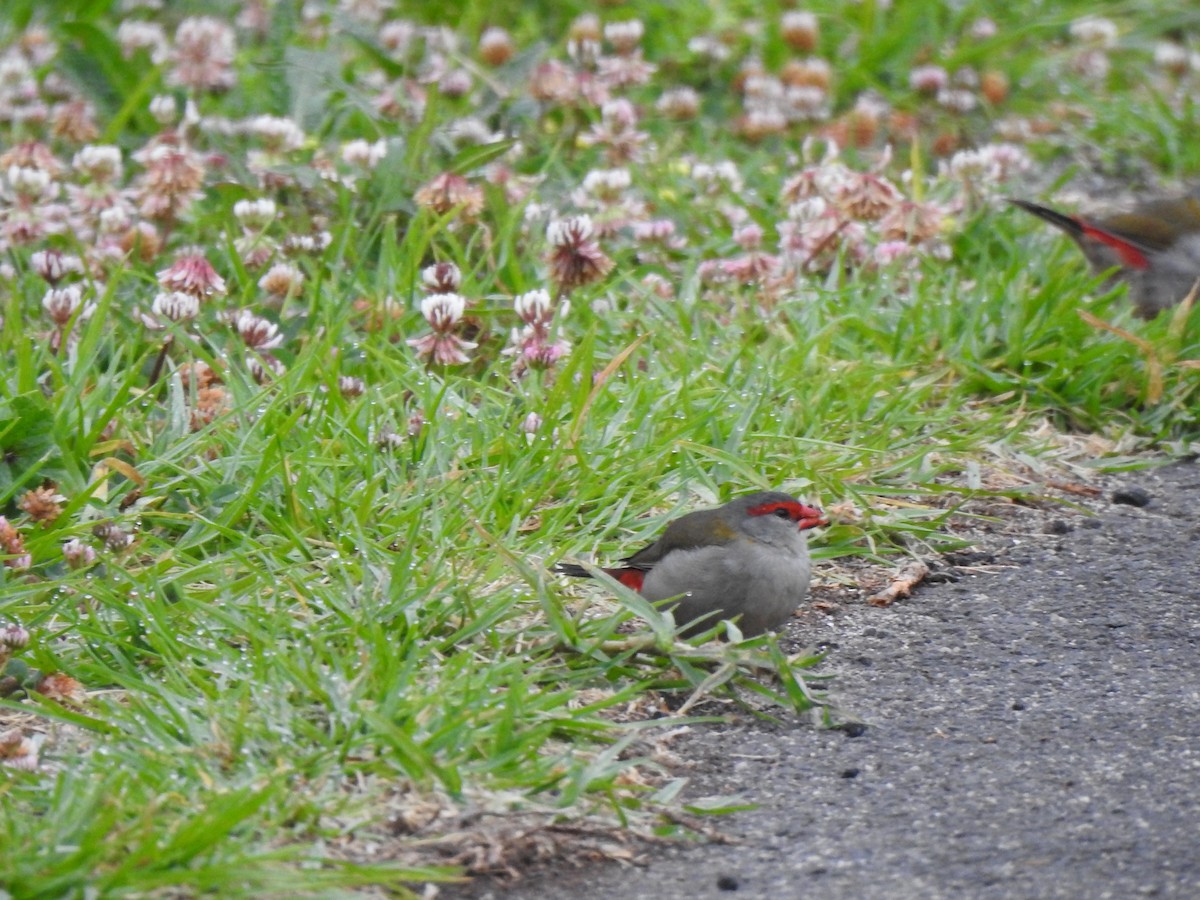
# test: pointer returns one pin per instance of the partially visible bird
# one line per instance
(747, 559)
(1156, 247)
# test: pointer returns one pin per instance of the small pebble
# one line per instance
(1058, 526)
(727, 883)
(1133, 496)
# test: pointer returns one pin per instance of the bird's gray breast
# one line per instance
(764, 583)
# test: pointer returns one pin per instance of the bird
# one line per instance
(746, 560)
(1155, 247)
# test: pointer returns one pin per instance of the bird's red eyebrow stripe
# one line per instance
(1130, 255)
(795, 510)
(806, 516)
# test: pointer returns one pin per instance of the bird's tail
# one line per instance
(1064, 222)
(572, 570)
(1131, 253)
(629, 576)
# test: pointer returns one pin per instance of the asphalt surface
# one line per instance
(1030, 734)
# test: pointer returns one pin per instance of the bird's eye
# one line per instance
(783, 513)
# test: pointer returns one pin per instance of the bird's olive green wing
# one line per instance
(703, 528)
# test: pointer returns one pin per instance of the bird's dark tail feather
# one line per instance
(572, 570)
(1055, 218)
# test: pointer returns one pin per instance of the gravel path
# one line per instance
(1033, 733)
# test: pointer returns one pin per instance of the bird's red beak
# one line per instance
(811, 517)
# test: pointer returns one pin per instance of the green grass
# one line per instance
(318, 630)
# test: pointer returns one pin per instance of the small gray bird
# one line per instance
(747, 559)
(1155, 247)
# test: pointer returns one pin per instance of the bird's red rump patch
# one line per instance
(1130, 255)
(631, 578)
(805, 516)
